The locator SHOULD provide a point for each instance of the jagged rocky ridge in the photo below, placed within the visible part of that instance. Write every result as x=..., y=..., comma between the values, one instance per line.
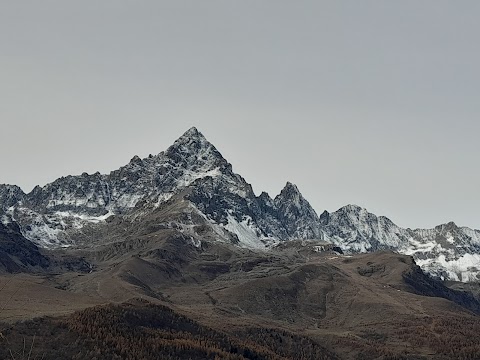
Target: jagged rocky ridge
x=447, y=251
x=194, y=170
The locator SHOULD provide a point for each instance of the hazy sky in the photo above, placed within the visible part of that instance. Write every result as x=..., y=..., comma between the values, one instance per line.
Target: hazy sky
x=375, y=103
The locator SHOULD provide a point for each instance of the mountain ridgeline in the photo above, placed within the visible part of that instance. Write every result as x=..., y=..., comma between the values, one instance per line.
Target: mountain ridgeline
x=194, y=175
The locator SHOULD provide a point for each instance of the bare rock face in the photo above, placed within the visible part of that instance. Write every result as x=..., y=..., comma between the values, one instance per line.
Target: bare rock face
x=17, y=253
x=10, y=195
x=300, y=220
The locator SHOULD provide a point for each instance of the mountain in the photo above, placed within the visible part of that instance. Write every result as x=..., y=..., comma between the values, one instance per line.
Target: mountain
x=194, y=187
x=447, y=251
x=182, y=259
x=301, y=221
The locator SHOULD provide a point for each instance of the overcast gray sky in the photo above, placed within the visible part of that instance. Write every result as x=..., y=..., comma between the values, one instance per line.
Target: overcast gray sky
x=368, y=102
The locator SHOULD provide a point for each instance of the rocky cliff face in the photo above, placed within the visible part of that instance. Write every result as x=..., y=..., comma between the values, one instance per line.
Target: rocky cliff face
x=193, y=170
x=10, y=195
x=354, y=229
x=298, y=217
x=17, y=253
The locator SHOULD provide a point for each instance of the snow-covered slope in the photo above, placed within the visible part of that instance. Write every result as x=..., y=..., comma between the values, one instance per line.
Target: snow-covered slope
x=447, y=251
x=193, y=170
x=354, y=229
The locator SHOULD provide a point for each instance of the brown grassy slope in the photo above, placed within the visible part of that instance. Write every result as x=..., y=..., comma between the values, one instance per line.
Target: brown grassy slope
x=354, y=306
x=25, y=296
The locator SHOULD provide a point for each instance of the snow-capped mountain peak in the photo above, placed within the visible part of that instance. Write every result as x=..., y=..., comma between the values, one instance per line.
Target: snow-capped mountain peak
x=290, y=192
x=192, y=133
x=195, y=153
x=9, y=196
x=296, y=213
x=355, y=229
x=193, y=170
x=291, y=202
x=75, y=201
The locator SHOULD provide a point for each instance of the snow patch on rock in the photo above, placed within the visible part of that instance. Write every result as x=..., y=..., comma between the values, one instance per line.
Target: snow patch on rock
x=246, y=232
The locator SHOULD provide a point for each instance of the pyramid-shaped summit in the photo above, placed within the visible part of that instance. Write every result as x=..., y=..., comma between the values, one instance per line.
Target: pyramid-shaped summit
x=156, y=179
x=192, y=133
x=74, y=201
x=195, y=153
x=296, y=213
x=190, y=137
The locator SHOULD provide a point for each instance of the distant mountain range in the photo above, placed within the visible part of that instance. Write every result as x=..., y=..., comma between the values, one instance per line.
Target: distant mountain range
x=193, y=176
